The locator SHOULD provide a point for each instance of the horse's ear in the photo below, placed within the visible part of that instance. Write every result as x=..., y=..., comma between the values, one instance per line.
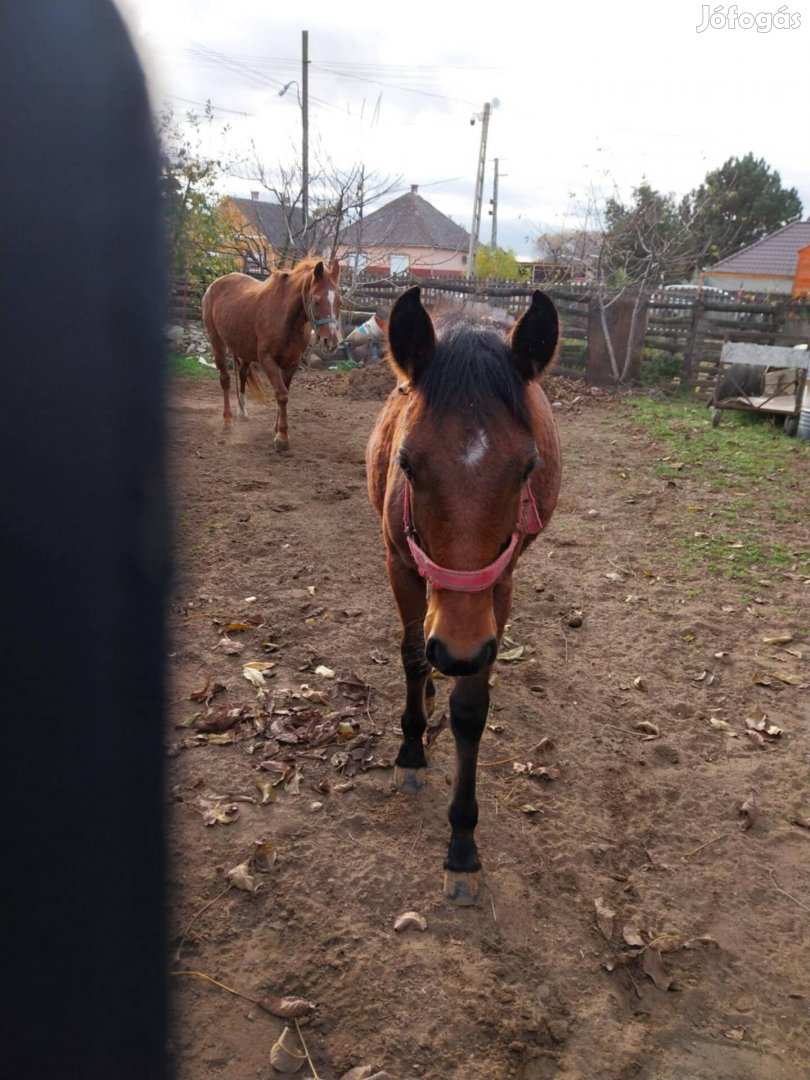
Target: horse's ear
x=334, y=270
x=410, y=335
x=317, y=271
x=534, y=338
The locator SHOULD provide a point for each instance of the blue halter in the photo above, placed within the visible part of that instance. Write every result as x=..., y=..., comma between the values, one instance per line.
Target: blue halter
x=318, y=322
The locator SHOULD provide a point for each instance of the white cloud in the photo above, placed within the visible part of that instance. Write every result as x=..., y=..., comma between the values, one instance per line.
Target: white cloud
x=592, y=94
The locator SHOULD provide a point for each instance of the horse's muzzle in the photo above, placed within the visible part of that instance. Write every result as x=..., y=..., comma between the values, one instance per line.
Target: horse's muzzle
x=440, y=657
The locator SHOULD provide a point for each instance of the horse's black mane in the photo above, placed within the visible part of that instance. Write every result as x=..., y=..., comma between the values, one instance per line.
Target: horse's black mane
x=472, y=371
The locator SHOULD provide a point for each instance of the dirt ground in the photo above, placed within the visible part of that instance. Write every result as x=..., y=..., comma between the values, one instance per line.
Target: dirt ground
x=643, y=706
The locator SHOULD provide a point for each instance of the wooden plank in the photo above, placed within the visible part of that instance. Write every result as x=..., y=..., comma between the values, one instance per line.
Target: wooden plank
x=736, y=352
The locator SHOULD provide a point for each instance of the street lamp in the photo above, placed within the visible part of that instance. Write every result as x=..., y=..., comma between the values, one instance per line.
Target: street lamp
x=479, y=183
x=302, y=92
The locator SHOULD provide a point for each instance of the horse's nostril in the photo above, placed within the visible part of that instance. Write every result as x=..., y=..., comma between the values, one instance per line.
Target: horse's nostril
x=440, y=657
x=436, y=653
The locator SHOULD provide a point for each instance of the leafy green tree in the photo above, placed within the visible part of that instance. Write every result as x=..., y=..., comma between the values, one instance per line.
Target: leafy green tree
x=200, y=239
x=498, y=264
x=647, y=240
x=737, y=204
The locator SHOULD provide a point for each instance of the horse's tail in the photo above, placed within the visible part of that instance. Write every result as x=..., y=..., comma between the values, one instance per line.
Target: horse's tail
x=258, y=385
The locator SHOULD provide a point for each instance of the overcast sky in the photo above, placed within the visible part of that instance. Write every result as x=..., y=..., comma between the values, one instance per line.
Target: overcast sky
x=592, y=97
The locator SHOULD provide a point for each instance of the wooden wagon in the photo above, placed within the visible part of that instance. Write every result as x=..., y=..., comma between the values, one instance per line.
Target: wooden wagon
x=768, y=379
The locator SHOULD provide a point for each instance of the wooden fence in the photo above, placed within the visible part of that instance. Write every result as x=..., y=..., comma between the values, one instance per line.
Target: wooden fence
x=685, y=331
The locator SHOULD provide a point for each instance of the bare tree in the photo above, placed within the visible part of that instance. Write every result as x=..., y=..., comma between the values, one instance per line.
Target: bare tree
x=642, y=244
x=338, y=197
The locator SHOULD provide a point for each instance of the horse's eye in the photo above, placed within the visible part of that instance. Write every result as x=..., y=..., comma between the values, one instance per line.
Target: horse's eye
x=404, y=464
x=530, y=467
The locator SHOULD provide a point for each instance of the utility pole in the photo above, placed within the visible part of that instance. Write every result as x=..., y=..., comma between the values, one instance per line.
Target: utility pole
x=479, y=192
x=494, y=211
x=305, y=125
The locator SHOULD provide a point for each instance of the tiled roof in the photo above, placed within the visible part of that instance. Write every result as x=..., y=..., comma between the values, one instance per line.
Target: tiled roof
x=272, y=221
x=774, y=254
x=409, y=221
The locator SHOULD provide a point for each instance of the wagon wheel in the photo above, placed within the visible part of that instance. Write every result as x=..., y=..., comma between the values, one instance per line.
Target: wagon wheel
x=791, y=425
x=717, y=416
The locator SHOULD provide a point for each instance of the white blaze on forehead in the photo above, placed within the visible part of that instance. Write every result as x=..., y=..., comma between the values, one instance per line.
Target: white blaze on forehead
x=330, y=296
x=475, y=449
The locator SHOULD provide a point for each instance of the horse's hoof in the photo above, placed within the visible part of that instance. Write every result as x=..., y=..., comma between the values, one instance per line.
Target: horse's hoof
x=462, y=889
x=282, y=445
x=409, y=781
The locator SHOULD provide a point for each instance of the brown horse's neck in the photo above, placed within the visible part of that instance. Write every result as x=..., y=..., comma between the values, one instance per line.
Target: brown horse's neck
x=296, y=286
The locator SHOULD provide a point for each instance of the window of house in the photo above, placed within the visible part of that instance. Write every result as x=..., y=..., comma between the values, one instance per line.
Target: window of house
x=356, y=261
x=399, y=264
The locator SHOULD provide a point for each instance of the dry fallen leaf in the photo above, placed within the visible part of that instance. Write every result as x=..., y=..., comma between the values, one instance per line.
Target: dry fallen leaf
x=802, y=681
x=293, y=785
x=604, y=918
x=640, y=684
x=324, y=672
x=632, y=936
x=778, y=639
x=668, y=941
x=621, y=959
x=255, y=677
x=222, y=719
x=748, y=812
x=653, y=965
x=760, y=680
x=228, y=647
x=801, y=819
x=241, y=877
x=207, y=692
x=410, y=920
x=512, y=654
x=735, y=1034
x=267, y=792
x=288, y=1008
x=539, y=772
x=218, y=813
x=264, y=855
x=722, y=725
x=285, y=1054
x=647, y=726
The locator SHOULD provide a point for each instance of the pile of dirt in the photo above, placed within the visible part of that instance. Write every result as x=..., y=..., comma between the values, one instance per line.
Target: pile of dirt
x=572, y=392
x=372, y=383
x=375, y=383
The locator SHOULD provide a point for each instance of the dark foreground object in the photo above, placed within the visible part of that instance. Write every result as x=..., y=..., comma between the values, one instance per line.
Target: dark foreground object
x=84, y=551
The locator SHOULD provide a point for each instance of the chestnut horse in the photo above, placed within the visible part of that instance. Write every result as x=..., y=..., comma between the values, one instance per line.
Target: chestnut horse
x=464, y=469
x=268, y=323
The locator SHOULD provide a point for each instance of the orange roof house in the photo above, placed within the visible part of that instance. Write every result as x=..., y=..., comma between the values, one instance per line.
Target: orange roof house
x=778, y=263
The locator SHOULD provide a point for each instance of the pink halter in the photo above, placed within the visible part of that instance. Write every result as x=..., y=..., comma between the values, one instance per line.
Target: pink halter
x=471, y=581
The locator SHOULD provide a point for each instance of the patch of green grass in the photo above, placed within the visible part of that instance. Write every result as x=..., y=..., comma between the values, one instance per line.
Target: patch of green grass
x=752, y=474
x=346, y=365
x=190, y=367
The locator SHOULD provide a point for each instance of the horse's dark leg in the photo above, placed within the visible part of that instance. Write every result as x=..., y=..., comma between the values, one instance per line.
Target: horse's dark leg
x=409, y=593
x=469, y=702
x=242, y=368
x=281, y=439
x=221, y=358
